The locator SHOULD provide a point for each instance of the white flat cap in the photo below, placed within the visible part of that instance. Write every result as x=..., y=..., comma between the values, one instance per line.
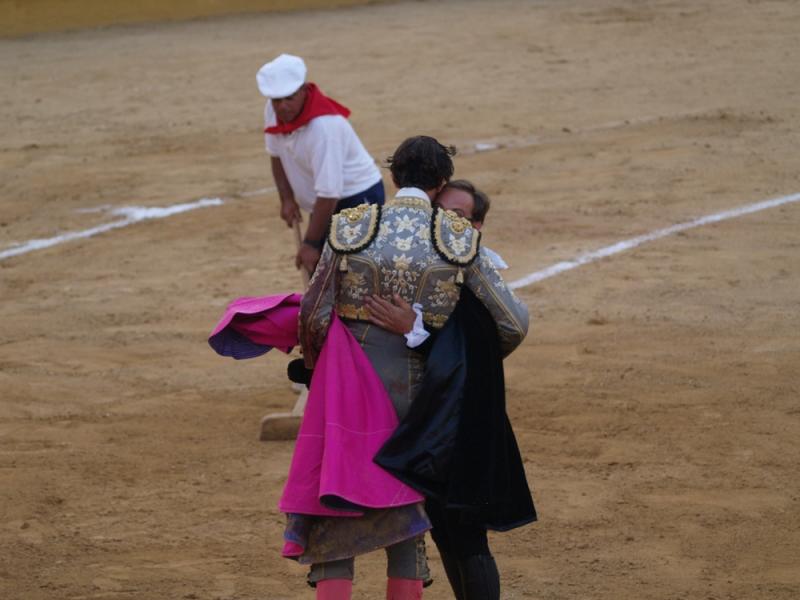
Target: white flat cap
x=281, y=77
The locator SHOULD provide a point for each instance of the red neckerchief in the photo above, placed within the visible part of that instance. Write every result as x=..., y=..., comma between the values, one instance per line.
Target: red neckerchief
x=317, y=104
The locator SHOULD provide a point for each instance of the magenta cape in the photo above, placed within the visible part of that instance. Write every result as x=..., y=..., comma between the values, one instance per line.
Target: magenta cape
x=252, y=326
x=348, y=416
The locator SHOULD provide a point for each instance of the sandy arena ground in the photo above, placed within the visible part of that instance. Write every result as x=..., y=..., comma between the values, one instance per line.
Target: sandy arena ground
x=655, y=400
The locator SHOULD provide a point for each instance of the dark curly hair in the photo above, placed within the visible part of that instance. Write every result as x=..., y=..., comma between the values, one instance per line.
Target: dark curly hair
x=422, y=162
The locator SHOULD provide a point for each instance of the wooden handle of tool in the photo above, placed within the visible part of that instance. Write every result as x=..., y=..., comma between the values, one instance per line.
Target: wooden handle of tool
x=298, y=238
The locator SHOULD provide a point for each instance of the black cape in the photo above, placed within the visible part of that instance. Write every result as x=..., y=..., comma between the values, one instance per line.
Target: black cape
x=456, y=444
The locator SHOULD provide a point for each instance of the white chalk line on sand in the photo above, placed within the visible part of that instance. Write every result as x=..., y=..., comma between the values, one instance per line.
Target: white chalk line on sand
x=135, y=214
x=130, y=214
x=590, y=257
x=491, y=145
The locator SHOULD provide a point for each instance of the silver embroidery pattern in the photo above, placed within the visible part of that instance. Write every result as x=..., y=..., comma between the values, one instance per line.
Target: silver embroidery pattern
x=351, y=232
x=406, y=223
x=399, y=278
x=385, y=230
x=401, y=260
x=458, y=245
x=444, y=294
x=403, y=244
x=354, y=285
x=455, y=238
x=400, y=249
x=508, y=312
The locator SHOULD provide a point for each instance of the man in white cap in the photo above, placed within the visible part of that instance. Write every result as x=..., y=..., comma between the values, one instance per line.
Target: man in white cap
x=318, y=162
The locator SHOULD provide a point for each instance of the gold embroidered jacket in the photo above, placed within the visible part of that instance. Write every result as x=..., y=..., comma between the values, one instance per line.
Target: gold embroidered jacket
x=408, y=248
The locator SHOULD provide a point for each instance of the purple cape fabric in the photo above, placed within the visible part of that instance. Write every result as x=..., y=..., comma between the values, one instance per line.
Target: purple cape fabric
x=252, y=326
x=348, y=417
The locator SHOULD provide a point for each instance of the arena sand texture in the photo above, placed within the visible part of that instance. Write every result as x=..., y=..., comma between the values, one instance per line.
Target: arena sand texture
x=655, y=399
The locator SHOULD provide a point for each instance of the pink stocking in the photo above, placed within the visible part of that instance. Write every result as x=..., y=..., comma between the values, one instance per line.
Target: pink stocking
x=334, y=589
x=403, y=589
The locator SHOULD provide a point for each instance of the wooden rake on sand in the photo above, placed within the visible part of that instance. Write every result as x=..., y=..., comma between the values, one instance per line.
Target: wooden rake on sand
x=284, y=426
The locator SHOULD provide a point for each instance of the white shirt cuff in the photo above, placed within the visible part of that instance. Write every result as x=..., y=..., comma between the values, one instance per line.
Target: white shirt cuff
x=417, y=335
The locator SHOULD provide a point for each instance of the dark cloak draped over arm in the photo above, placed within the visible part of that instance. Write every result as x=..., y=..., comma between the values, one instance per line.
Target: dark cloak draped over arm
x=456, y=443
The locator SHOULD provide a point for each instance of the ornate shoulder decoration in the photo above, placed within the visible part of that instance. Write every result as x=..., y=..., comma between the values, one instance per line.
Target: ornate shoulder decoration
x=353, y=229
x=454, y=237
x=409, y=202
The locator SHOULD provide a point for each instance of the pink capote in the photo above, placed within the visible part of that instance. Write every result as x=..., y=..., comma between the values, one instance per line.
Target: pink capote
x=251, y=326
x=348, y=417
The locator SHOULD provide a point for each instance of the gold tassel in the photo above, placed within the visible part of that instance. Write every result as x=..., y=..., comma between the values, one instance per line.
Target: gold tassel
x=460, y=276
x=343, y=263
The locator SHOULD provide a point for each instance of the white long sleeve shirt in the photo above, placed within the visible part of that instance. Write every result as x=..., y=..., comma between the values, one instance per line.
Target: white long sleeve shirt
x=324, y=158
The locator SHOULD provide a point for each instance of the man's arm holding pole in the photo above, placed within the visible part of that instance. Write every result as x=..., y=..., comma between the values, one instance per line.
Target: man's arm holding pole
x=314, y=240
x=290, y=212
x=310, y=246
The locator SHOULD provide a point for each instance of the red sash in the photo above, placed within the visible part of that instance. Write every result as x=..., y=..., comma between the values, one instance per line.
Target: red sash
x=317, y=104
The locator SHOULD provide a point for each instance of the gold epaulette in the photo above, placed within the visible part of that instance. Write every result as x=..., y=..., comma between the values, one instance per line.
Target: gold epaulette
x=353, y=229
x=455, y=239
x=409, y=202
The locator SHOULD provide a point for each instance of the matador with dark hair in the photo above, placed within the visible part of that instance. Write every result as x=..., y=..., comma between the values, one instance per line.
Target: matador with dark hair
x=424, y=255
